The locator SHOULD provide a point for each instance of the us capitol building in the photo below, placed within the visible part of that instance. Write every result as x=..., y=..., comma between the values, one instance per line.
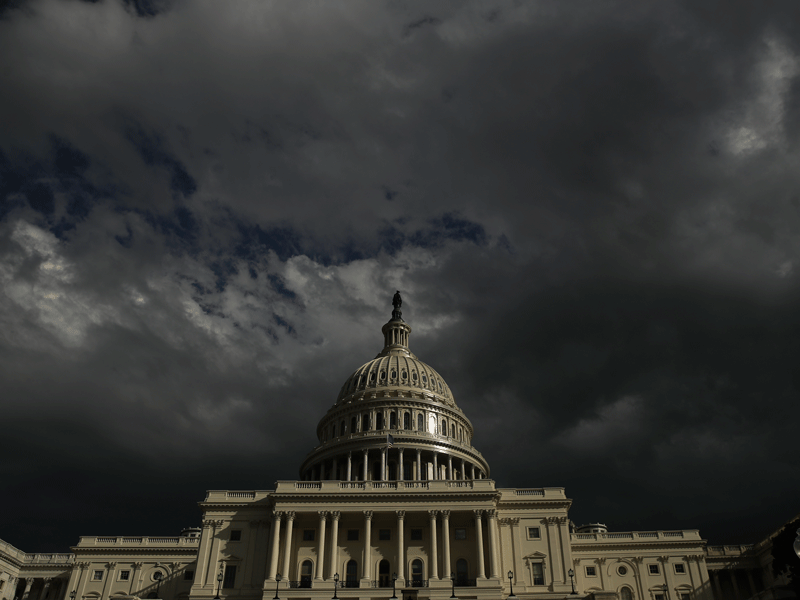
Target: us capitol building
x=393, y=502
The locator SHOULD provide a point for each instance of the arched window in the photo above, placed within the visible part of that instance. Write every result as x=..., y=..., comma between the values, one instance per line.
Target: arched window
x=393, y=420
x=406, y=421
x=365, y=422
x=305, y=574
x=420, y=422
x=416, y=573
x=341, y=428
x=408, y=470
x=443, y=430
x=351, y=577
x=392, y=475
x=333, y=431
x=384, y=578
x=378, y=421
x=353, y=424
x=452, y=431
x=462, y=574
x=626, y=594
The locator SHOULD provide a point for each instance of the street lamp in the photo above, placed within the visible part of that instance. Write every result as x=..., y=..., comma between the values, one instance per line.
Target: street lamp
x=511, y=596
x=453, y=579
x=394, y=580
x=219, y=584
x=277, y=583
x=158, y=575
x=335, y=585
x=571, y=574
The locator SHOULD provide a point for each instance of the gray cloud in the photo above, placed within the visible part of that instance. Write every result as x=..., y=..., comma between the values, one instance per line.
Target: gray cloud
x=591, y=209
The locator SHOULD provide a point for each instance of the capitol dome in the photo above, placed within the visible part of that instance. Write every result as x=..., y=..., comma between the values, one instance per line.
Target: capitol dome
x=395, y=419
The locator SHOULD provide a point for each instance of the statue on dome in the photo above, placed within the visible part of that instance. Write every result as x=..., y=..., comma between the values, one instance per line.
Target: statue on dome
x=397, y=301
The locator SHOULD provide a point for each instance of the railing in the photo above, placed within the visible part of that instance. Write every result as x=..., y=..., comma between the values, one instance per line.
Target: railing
x=250, y=495
x=346, y=485
x=397, y=433
x=415, y=583
x=461, y=582
x=353, y=583
x=139, y=541
x=336, y=486
x=308, y=485
x=636, y=535
x=49, y=558
x=303, y=583
x=529, y=492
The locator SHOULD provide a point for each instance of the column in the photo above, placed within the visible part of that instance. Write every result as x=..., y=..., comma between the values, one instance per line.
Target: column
x=366, y=465
x=492, y=524
x=46, y=584
x=717, y=587
x=401, y=550
x=435, y=466
x=434, y=568
x=419, y=465
x=472, y=471
x=110, y=569
x=479, y=540
x=322, y=471
x=516, y=544
x=668, y=585
x=566, y=541
x=447, y=568
x=335, y=469
x=349, y=466
x=273, y=559
x=251, y=545
x=206, y=537
x=383, y=464
x=321, y=545
x=334, y=542
x=400, y=470
x=28, y=583
x=367, y=544
x=450, y=467
x=287, y=547
x=463, y=470
x=136, y=575
x=556, y=566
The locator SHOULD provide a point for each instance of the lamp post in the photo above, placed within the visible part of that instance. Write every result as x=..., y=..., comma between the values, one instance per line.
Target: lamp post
x=219, y=584
x=571, y=574
x=511, y=596
x=277, y=583
x=158, y=575
x=453, y=579
x=335, y=586
x=394, y=580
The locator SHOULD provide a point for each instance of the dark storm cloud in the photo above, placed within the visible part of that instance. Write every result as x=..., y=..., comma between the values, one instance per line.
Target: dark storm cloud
x=591, y=209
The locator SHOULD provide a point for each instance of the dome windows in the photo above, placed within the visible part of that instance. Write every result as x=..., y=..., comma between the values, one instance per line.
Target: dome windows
x=383, y=375
x=414, y=376
x=425, y=379
x=403, y=375
x=372, y=377
x=393, y=374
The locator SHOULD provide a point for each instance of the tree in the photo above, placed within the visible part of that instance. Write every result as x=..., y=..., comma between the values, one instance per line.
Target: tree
x=784, y=560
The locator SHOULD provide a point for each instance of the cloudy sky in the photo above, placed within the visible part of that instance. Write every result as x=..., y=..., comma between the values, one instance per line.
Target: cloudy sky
x=592, y=210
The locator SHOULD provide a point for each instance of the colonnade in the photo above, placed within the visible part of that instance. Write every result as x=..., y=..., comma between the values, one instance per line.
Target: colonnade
x=394, y=466
x=52, y=588
x=328, y=550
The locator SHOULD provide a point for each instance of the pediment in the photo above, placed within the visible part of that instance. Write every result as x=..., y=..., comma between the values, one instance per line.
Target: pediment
x=535, y=556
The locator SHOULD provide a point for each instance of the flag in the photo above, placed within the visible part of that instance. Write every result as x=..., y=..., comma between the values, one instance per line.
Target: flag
x=389, y=441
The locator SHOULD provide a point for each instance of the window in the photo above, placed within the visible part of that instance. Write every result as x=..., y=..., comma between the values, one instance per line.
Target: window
x=416, y=534
x=460, y=533
x=236, y=535
x=341, y=428
x=384, y=534
x=680, y=568
x=534, y=533
x=658, y=597
x=352, y=535
x=305, y=574
x=230, y=576
x=2, y=583
x=626, y=594
x=622, y=570
x=365, y=422
x=406, y=421
x=591, y=571
x=353, y=424
x=124, y=575
x=393, y=420
x=461, y=573
x=188, y=575
x=683, y=596
x=158, y=576
x=653, y=569
x=452, y=431
x=379, y=421
x=420, y=422
x=97, y=576
x=351, y=574
x=384, y=579
x=333, y=431
x=537, y=570
x=308, y=535
x=416, y=572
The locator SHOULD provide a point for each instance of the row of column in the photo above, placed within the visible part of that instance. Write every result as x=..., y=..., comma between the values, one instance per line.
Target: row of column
x=348, y=471
x=58, y=590
x=433, y=568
